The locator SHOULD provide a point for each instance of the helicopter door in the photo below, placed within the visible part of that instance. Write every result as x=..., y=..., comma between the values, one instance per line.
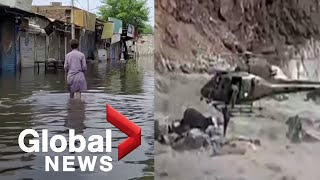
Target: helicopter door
x=237, y=81
x=246, y=89
x=223, y=92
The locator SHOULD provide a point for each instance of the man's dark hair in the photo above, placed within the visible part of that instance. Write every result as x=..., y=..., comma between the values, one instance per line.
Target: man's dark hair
x=74, y=43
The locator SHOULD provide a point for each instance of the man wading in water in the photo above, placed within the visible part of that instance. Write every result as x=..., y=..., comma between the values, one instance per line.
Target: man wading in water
x=75, y=65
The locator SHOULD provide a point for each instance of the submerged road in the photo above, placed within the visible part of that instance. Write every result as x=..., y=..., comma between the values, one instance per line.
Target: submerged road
x=40, y=101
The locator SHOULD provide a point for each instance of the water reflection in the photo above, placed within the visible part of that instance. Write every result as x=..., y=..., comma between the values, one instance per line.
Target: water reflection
x=40, y=101
x=76, y=115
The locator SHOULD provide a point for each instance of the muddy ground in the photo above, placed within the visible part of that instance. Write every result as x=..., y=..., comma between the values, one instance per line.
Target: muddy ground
x=277, y=158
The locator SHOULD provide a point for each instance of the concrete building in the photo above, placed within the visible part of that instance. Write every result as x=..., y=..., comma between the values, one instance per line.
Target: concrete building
x=85, y=29
x=33, y=45
x=30, y=35
x=145, y=45
x=14, y=25
x=55, y=11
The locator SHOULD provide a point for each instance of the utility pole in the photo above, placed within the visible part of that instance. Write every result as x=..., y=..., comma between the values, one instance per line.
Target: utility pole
x=72, y=20
x=88, y=5
x=65, y=41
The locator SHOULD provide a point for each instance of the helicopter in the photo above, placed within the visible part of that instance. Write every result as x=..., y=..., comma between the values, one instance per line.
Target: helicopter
x=237, y=87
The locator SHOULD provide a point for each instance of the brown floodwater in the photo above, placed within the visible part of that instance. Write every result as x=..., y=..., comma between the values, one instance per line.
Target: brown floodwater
x=29, y=100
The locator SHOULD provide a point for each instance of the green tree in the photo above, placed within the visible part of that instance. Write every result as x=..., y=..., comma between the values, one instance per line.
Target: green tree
x=135, y=12
x=147, y=30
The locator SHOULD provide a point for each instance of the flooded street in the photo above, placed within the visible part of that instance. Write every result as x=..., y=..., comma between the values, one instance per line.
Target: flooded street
x=40, y=101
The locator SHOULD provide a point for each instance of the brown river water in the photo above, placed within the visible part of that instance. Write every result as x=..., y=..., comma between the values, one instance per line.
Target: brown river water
x=40, y=101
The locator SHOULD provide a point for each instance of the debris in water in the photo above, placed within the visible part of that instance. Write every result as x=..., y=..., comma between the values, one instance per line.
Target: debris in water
x=302, y=129
x=313, y=95
x=196, y=131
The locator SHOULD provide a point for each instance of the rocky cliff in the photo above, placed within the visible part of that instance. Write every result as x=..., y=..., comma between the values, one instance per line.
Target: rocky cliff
x=200, y=33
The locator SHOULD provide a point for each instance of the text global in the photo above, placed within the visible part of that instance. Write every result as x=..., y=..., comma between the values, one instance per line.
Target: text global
x=94, y=144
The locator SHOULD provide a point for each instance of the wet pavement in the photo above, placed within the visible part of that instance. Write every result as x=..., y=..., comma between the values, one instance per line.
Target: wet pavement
x=40, y=101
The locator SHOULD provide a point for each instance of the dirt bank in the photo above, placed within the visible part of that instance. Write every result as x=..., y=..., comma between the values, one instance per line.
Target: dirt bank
x=197, y=30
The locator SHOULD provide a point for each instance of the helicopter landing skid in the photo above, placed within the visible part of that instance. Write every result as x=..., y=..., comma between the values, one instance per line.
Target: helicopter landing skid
x=239, y=108
x=227, y=112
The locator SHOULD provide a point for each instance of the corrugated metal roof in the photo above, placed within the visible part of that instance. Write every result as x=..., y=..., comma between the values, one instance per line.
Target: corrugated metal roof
x=36, y=29
x=22, y=12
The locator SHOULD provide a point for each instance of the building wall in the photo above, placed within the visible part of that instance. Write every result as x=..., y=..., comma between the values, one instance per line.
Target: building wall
x=40, y=48
x=32, y=48
x=56, y=45
x=56, y=48
x=53, y=49
x=8, y=33
x=145, y=45
x=18, y=49
x=114, y=51
x=88, y=44
x=62, y=51
x=27, y=49
x=56, y=12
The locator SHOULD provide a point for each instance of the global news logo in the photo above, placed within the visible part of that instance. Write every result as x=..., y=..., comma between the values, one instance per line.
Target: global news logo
x=94, y=144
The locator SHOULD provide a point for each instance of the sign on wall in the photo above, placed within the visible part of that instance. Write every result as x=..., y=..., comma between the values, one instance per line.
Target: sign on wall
x=85, y=19
x=117, y=28
x=130, y=31
x=107, y=30
x=115, y=38
x=27, y=50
